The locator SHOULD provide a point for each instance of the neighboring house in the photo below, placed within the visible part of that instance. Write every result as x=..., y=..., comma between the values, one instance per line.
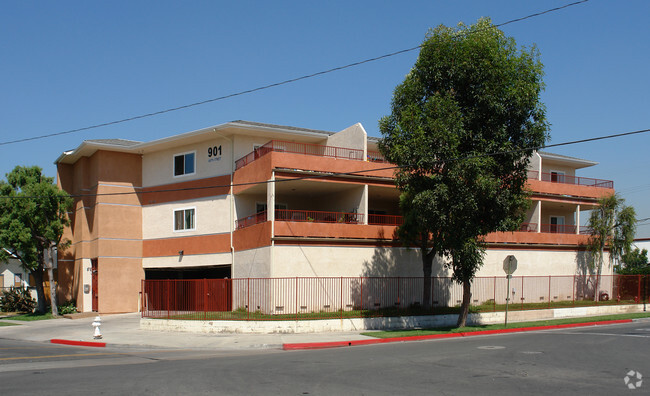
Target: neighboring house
x=642, y=243
x=303, y=203
x=12, y=274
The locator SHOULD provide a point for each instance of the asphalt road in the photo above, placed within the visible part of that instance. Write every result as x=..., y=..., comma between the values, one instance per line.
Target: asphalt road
x=591, y=361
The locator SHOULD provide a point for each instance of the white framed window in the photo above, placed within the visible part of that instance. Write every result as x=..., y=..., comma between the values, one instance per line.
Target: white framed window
x=557, y=176
x=185, y=164
x=557, y=224
x=184, y=219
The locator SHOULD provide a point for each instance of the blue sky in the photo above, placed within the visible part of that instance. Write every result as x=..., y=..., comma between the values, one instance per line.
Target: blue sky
x=71, y=64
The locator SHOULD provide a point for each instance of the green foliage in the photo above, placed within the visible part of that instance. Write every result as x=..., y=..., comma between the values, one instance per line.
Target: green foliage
x=613, y=225
x=69, y=307
x=470, y=95
x=33, y=215
x=477, y=328
x=17, y=299
x=31, y=317
x=634, y=262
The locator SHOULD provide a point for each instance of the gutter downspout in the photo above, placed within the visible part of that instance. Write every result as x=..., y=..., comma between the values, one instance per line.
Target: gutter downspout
x=232, y=199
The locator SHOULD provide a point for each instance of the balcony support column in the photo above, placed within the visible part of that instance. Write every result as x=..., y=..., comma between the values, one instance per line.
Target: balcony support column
x=538, y=215
x=363, y=209
x=578, y=219
x=270, y=199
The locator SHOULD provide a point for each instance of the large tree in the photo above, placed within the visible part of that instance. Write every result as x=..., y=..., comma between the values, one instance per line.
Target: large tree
x=33, y=215
x=462, y=128
x=613, y=225
x=634, y=262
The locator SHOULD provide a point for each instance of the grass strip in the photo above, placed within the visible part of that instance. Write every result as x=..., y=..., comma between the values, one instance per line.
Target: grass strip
x=32, y=316
x=479, y=328
x=8, y=324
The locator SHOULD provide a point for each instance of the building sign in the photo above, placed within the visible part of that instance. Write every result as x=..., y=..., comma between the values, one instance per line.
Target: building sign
x=214, y=153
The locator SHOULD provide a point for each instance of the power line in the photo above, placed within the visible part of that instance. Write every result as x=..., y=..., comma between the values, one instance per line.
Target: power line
x=268, y=86
x=342, y=174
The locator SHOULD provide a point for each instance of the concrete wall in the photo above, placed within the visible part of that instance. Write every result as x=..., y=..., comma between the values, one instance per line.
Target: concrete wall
x=535, y=163
x=253, y=263
x=548, y=167
x=106, y=227
x=351, y=137
x=324, y=261
x=187, y=260
x=158, y=167
x=212, y=216
x=387, y=323
x=311, y=261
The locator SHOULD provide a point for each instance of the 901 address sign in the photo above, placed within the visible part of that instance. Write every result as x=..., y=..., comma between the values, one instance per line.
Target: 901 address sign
x=214, y=151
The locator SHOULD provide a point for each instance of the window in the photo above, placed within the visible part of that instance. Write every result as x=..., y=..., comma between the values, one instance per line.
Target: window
x=18, y=280
x=184, y=164
x=184, y=219
x=557, y=176
x=261, y=207
x=557, y=224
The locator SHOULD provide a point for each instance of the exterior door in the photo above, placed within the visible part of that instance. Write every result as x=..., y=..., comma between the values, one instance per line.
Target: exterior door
x=557, y=177
x=557, y=224
x=95, y=292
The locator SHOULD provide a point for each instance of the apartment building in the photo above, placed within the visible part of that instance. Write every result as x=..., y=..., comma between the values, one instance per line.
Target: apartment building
x=252, y=200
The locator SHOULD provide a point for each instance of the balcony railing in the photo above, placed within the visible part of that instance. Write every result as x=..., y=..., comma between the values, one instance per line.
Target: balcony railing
x=313, y=216
x=300, y=148
x=251, y=220
x=585, y=230
x=558, y=228
x=568, y=179
x=376, y=156
x=350, y=297
x=388, y=220
x=528, y=227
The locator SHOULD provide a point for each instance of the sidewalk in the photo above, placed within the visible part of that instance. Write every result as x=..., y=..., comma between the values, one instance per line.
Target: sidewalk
x=123, y=330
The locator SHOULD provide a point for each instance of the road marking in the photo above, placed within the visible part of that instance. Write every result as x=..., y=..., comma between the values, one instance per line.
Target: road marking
x=35, y=347
x=606, y=334
x=133, y=354
x=59, y=356
x=490, y=347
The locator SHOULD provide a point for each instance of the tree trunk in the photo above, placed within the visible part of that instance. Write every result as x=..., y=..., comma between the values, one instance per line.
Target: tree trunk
x=427, y=263
x=601, y=254
x=49, y=265
x=467, y=298
x=40, y=292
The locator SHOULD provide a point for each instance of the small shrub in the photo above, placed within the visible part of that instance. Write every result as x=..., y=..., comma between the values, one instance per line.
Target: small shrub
x=17, y=299
x=69, y=307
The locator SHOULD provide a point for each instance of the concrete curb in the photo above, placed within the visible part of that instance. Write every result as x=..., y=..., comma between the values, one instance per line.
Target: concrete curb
x=78, y=343
x=338, y=344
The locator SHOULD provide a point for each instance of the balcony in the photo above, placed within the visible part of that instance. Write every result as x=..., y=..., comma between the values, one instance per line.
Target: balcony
x=385, y=220
x=309, y=149
x=309, y=216
x=250, y=220
x=313, y=216
x=300, y=148
x=555, y=229
x=567, y=179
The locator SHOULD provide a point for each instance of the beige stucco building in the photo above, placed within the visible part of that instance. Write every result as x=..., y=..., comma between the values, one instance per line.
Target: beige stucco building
x=251, y=200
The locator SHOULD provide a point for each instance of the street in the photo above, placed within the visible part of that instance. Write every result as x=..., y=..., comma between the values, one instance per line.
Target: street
x=592, y=360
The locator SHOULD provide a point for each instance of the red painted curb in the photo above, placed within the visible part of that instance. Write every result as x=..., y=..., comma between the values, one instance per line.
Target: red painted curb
x=338, y=344
x=78, y=343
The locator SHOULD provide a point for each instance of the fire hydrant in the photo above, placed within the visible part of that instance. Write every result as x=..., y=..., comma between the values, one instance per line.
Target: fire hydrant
x=96, y=324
